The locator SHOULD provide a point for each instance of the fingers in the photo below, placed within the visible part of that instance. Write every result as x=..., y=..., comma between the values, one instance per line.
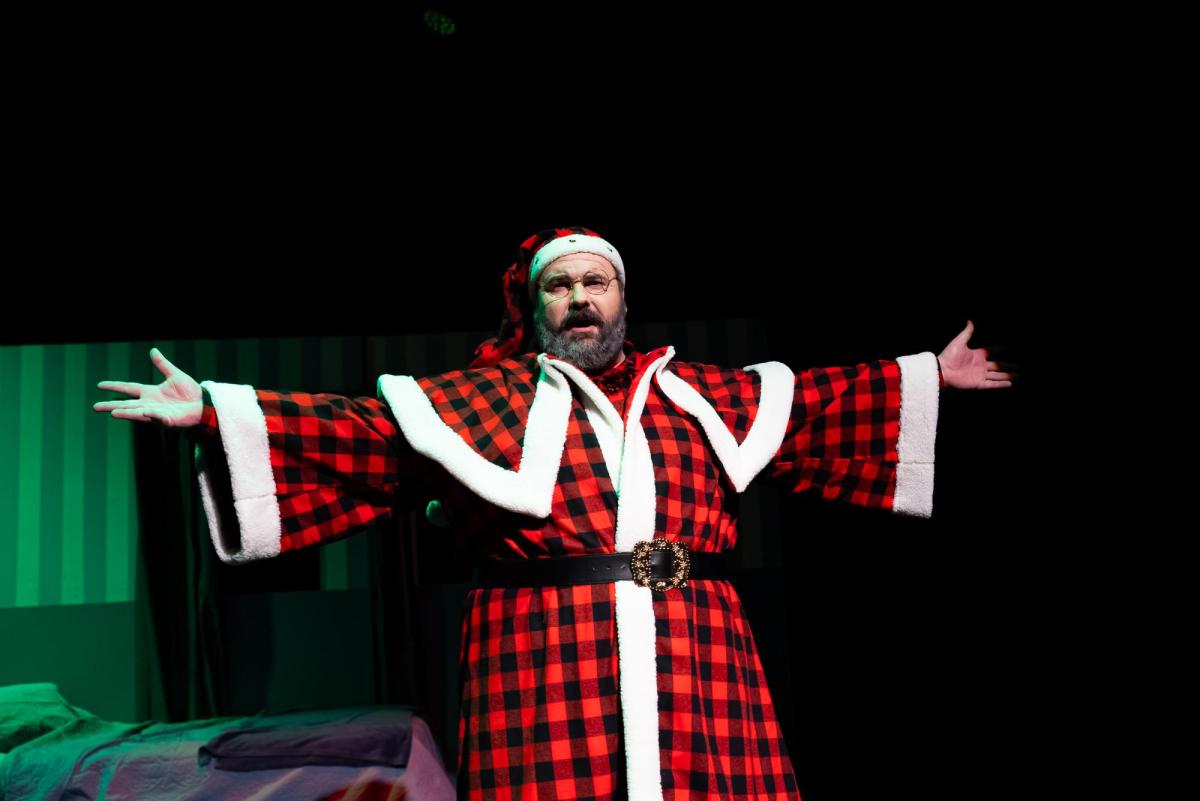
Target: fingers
x=162, y=363
x=109, y=405
x=128, y=387
x=127, y=410
x=996, y=355
x=964, y=336
x=133, y=413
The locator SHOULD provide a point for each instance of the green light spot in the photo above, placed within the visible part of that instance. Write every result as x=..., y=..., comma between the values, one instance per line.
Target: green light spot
x=439, y=23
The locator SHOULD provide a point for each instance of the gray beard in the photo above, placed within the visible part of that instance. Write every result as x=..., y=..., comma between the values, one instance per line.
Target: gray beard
x=589, y=354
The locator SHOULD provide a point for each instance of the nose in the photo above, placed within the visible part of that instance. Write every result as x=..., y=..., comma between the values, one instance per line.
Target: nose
x=579, y=295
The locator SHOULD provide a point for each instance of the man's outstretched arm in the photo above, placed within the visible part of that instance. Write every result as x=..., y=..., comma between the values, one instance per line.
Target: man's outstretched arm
x=280, y=470
x=866, y=434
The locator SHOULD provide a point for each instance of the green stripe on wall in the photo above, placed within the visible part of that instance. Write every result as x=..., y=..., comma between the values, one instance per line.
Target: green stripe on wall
x=76, y=410
x=95, y=450
x=289, y=372
x=268, y=378
x=50, y=494
x=118, y=466
x=29, y=479
x=203, y=361
x=330, y=356
x=247, y=362
x=143, y=371
x=10, y=424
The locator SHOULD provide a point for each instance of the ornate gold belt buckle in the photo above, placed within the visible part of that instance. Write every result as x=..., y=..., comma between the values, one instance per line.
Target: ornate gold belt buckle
x=640, y=564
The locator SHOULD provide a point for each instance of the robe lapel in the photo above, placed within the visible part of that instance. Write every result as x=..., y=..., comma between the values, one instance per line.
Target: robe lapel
x=529, y=490
x=741, y=462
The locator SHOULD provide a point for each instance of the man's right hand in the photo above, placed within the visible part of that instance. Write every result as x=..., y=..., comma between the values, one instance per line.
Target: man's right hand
x=177, y=402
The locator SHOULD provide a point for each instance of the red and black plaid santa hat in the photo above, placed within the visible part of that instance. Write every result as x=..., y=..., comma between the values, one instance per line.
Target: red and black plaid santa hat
x=520, y=279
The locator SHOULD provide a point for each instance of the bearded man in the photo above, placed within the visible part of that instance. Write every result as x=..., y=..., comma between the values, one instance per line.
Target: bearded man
x=604, y=652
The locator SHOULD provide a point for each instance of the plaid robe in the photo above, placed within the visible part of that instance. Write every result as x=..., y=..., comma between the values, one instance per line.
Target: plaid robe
x=597, y=691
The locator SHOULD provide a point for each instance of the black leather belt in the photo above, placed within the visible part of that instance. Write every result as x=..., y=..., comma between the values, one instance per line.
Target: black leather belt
x=658, y=564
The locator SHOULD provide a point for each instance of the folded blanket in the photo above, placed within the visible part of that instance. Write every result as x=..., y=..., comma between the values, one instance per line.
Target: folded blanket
x=371, y=737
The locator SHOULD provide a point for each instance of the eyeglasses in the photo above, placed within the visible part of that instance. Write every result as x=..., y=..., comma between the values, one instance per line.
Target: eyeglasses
x=560, y=286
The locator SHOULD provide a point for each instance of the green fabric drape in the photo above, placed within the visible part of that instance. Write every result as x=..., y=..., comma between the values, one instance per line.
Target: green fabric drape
x=182, y=671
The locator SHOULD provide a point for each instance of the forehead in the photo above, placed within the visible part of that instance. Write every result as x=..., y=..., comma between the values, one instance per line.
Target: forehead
x=578, y=263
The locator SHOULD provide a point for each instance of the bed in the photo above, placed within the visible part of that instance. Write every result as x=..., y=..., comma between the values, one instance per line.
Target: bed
x=50, y=749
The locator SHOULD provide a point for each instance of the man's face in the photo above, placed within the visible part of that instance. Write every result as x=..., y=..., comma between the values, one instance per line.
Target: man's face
x=584, y=329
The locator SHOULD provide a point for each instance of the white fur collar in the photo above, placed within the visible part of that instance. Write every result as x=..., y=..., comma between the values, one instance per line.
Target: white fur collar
x=530, y=489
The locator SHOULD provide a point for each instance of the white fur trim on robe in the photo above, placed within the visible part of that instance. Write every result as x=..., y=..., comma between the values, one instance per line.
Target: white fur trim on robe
x=528, y=490
x=741, y=462
x=627, y=456
x=918, y=430
x=243, y=431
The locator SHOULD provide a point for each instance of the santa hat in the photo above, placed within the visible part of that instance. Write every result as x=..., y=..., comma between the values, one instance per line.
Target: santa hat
x=520, y=279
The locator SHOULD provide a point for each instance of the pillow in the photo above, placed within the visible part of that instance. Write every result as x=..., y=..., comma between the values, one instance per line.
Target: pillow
x=27, y=711
x=383, y=740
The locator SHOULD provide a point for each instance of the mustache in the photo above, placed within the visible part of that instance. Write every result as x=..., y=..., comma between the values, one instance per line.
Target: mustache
x=581, y=320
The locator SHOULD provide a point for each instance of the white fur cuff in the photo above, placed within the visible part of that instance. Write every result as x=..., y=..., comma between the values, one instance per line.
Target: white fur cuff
x=243, y=430
x=918, y=430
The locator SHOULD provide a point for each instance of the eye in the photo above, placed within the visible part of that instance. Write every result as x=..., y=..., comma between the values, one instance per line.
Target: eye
x=593, y=280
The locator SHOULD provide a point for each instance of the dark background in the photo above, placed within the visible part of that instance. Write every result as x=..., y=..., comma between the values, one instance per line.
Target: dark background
x=865, y=184
x=303, y=173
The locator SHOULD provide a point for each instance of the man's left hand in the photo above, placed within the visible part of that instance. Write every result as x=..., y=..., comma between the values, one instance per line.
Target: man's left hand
x=970, y=368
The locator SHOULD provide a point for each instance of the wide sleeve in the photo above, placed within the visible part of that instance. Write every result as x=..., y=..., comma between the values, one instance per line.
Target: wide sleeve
x=280, y=471
x=864, y=434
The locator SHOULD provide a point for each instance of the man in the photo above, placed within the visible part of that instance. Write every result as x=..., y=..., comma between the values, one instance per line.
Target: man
x=604, y=652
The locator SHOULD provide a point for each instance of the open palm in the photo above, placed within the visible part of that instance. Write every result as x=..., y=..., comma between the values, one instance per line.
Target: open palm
x=177, y=402
x=971, y=368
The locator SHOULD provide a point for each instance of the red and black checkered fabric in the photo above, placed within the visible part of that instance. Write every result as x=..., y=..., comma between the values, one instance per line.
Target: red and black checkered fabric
x=540, y=707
